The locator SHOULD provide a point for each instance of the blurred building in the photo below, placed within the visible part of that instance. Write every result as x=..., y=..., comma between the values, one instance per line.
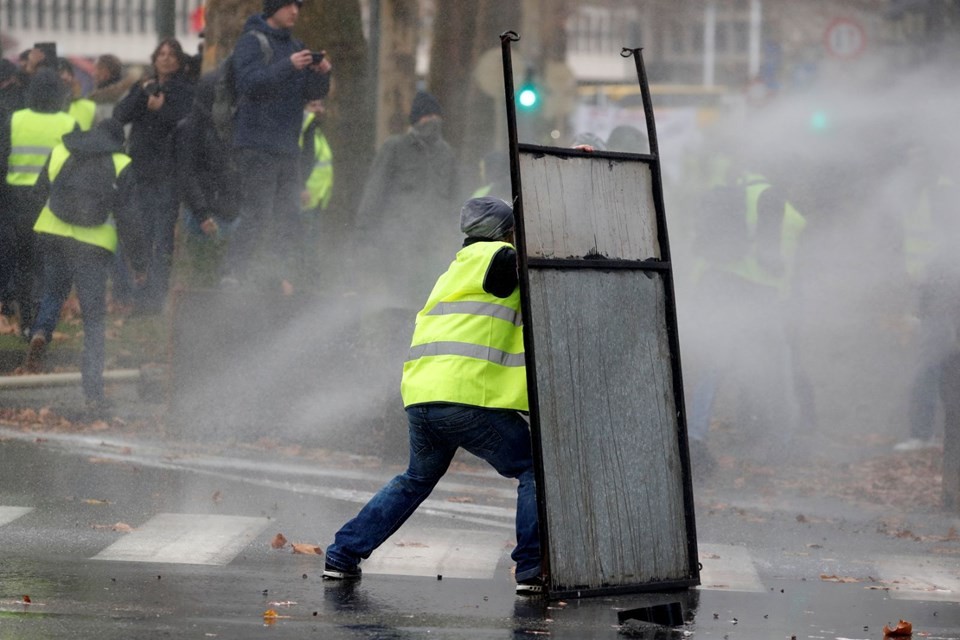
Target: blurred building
x=127, y=28
x=728, y=43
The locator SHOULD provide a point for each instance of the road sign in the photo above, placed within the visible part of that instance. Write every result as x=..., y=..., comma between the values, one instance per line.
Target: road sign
x=844, y=38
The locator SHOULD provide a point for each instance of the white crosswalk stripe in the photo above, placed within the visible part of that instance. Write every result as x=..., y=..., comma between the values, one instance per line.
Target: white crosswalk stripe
x=200, y=539
x=444, y=552
x=186, y=539
x=9, y=514
x=919, y=578
x=727, y=568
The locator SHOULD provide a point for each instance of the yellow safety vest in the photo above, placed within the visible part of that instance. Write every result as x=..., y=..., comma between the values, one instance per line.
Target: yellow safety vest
x=919, y=233
x=320, y=182
x=792, y=225
x=467, y=345
x=32, y=136
x=83, y=111
x=104, y=235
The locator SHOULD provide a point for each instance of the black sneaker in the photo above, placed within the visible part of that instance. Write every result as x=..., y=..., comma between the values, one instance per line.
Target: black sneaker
x=331, y=572
x=530, y=586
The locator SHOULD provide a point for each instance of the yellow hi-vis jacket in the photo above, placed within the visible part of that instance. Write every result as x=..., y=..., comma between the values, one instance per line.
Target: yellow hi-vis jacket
x=920, y=235
x=104, y=235
x=32, y=136
x=83, y=111
x=320, y=181
x=467, y=345
x=792, y=225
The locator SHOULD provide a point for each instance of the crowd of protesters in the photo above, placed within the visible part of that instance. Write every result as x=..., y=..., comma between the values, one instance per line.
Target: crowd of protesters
x=160, y=123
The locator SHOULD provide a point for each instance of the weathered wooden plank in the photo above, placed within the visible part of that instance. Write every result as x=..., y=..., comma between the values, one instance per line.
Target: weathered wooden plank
x=576, y=207
x=608, y=428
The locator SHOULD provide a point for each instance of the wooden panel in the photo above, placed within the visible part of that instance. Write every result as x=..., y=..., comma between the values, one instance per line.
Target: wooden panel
x=576, y=207
x=608, y=428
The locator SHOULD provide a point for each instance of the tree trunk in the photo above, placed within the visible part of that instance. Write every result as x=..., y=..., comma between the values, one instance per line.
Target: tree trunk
x=397, y=65
x=462, y=33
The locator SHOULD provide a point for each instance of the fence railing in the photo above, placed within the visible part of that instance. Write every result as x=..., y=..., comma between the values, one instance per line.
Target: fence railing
x=93, y=16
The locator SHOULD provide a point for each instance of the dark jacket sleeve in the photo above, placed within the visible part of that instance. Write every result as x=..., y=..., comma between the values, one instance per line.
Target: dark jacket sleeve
x=41, y=188
x=5, y=135
x=132, y=106
x=374, y=190
x=128, y=227
x=502, y=277
x=188, y=142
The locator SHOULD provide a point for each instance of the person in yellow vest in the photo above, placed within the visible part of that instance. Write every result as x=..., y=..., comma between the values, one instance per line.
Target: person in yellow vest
x=79, y=246
x=26, y=139
x=82, y=109
x=746, y=244
x=316, y=166
x=929, y=228
x=463, y=385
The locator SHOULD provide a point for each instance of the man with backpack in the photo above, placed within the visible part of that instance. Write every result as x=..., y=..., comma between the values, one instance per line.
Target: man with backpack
x=87, y=186
x=272, y=85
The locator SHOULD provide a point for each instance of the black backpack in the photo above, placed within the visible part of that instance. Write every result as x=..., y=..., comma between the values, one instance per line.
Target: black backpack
x=225, y=90
x=83, y=192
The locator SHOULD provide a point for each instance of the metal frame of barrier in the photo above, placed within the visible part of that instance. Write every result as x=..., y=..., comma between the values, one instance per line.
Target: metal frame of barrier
x=603, y=365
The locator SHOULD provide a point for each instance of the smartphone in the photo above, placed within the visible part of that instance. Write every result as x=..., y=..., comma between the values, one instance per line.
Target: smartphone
x=317, y=57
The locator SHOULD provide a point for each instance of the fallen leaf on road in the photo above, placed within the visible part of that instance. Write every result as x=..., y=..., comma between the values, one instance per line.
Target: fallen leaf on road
x=903, y=628
x=96, y=501
x=27, y=600
x=278, y=542
x=307, y=549
x=832, y=578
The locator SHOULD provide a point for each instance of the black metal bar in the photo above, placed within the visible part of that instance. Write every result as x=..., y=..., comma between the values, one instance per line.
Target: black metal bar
x=570, y=152
x=645, y=97
x=589, y=592
x=506, y=38
x=598, y=262
x=671, y=311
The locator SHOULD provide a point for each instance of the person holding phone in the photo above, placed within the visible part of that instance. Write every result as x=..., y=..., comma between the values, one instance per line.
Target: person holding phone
x=153, y=107
x=271, y=93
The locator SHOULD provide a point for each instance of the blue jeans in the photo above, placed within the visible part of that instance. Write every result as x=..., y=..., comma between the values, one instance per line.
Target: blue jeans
x=500, y=437
x=68, y=262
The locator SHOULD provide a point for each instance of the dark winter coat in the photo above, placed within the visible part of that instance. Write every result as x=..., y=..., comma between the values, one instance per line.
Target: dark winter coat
x=414, y=180
x=207, y=176
x=151, y=143
x=271, y=96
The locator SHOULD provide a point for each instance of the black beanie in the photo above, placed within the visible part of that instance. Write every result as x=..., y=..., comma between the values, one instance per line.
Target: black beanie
x=270, y=7
x=424, y=104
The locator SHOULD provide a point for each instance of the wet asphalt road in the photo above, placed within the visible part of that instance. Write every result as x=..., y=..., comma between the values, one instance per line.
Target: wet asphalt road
x=77, y=487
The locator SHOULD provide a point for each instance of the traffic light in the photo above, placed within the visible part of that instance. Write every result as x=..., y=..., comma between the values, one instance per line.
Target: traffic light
x=819, y=121
x=528, y=98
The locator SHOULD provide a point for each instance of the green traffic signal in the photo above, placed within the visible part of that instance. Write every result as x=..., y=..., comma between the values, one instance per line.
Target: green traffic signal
x=528, y=97
x=819, y=121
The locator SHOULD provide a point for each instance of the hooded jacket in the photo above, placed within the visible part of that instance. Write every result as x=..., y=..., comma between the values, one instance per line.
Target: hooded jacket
x=271, y=96
x=105, y=138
